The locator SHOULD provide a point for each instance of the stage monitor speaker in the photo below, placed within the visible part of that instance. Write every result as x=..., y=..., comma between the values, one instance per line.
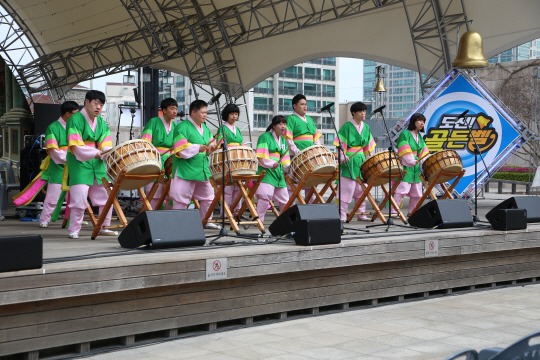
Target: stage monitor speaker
x=444, y=214
x=317, y=232
x=161, y=229
x=530, y=203
x=507, y=219
x=283, y=224
x=21, y=252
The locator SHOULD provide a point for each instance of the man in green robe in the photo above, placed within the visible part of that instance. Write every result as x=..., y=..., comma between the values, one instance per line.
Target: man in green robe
x=193, y=143
x=88, y=138
x=160, y=131
x=301, y=131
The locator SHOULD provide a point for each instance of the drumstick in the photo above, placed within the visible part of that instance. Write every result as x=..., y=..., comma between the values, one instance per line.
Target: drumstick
x=281, y=158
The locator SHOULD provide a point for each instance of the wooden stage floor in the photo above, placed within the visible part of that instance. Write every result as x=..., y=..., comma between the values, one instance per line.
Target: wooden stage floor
x=92, y=294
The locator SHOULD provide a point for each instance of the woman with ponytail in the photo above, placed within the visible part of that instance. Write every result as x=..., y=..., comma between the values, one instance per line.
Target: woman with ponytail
x=272, y=153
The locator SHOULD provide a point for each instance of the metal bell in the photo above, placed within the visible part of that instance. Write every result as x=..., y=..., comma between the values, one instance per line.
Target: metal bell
x=380, y=86
x=470, y=52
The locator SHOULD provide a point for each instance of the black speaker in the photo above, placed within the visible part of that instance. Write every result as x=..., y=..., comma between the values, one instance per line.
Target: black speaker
x=45, y=115
x=444, y=214
x=21, y=252
x=161, y=229
x=507, y=219
x=283, y=224
x=317, y=232
x=530, y=203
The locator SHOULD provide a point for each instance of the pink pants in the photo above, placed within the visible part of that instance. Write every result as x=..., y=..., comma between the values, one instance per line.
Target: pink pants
x=78, y=203
x=350, y=189
x=265, y=193
x=182, y=191
x=157, y=195
x=231, y=192
x=413, y=191
x=51, y=199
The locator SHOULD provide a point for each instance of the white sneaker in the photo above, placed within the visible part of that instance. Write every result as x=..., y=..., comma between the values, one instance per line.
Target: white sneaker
x=362, y=218
x=74, y=235
x=212, y=226
x=44, y=224
x=85, y=222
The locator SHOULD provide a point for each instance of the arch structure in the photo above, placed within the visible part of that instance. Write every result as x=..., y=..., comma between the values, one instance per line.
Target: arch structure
x=231, y=45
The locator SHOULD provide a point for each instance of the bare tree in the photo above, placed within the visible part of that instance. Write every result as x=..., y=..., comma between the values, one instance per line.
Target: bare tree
x=519, y=93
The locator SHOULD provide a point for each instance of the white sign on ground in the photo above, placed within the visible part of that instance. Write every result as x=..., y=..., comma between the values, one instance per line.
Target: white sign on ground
x=216, y=269
x=431, y=248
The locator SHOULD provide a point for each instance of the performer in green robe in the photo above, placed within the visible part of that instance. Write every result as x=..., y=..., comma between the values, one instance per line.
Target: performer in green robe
x=234, y=138
x=52, y=167
x=301, y=131
x=412, y=150
x=88, y=138
x=271, y=147
x=355, y=137
x=193, y=143
x=160, y=131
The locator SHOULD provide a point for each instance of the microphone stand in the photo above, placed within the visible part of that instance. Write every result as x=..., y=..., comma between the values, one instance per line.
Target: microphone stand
x=476, y=153
x=223, y=230
x=389, y=221
x=132, y=120
x=339, y=151
x=118, y=130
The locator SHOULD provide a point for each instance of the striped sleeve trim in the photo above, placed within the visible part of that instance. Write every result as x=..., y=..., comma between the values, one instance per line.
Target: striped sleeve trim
x=425, y=151
x=404, y=149
x=181, y=145
x=147, y=137
x=51, y=143
x=316, y=136
x=286, y=160
x=107, y=141
x=263, y=153
x=370, y=147
x=288, y=134
x=75, y=140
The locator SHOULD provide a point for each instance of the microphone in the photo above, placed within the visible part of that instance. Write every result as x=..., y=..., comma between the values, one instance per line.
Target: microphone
x=378, y=110
x=215, y=98
x=181, y=114
x=462, y=115
x=326, y=108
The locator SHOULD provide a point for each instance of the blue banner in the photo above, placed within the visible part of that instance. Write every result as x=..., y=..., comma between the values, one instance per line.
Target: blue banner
x=493, y=132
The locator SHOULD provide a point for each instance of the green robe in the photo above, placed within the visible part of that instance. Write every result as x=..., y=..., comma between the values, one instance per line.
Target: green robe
x=55, y=139
x=304, y=134
x=196, y=167
x=79, y=134
x=407, y=145
x=155, y=133
x=353, y=142
x=268, y=148
x=233, y=140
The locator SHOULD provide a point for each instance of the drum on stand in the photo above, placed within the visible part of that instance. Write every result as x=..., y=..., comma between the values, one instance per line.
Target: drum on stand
x=379, y=163
x=243, y=162
x=317, y=158
x=447, y=160
x=138, y=157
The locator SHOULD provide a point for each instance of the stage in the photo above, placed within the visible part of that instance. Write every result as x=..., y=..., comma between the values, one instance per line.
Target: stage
x=94, y=294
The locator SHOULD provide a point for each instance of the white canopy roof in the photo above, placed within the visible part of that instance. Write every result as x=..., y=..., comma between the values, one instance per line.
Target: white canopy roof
x=76, y=40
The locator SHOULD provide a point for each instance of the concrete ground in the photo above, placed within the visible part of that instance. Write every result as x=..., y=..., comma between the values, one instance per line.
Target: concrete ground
x=430, y=329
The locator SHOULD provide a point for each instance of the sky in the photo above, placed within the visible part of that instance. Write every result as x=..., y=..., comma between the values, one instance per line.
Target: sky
x=351, y=84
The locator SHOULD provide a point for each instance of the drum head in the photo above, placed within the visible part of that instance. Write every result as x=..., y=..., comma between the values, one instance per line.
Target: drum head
x=150, y=168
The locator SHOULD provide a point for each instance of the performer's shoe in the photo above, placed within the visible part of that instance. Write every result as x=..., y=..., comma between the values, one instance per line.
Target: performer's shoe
x=362, y=218
x=74, y=235
x=85, y=222
x=212, y=226
x=107, y=232
x=44, y=224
